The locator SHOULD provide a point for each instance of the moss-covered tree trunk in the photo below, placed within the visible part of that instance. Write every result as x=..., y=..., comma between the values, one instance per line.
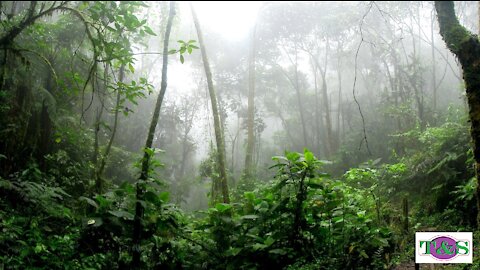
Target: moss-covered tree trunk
x=137, y=225
x=466, y=47
x=219, y=137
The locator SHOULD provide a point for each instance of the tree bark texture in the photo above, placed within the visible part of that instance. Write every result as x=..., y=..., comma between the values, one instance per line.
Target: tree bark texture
x=137, y=226
x=466, y=47
x=219, y=136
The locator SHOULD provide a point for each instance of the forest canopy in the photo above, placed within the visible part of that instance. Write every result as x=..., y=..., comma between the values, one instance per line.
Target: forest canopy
x=236, y=135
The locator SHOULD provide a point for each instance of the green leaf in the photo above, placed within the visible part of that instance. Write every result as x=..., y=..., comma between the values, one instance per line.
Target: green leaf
x=149, y=151
x=226, y=219
x=148, y=30
x=363, y=254
x=249, y=195
x=89, y=201
x=164, y=196
x=314, y=184
x=278, y=251
x=233, y=251
x=222, y=207
x=361, y=213
x=182, y=60
x=131, y=68
x=439, y=186
x=142, y=203
x=39, y=248
x=269, y=241
x=24, y=252
x=337, y=219
x=249, y=217
x=150, y=196
x=279, y=158
x=258, y=246
x=309, y=157
x=103, y=202
x=122, y=214
x=292, y=156
x=172, y=51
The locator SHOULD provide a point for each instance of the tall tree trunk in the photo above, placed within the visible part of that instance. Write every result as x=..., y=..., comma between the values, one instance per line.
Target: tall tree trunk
x=249, y=169
x=466, y=47
x=320, y=125
x=316, y=137
x=235, y=140
x=98, y=118
x=219, y=136
x=299, y=100
x=328, y=120
x=103, y=162
x=296, y=87
x=188, y=121
x=137, y=225
x=326, y=104
x=339, y=107
x=95, y=153
x=44, y=139
x=434, y=79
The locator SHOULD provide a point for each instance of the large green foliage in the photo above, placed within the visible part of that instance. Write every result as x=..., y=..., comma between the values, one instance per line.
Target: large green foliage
x=60, y=72
x=302, y=217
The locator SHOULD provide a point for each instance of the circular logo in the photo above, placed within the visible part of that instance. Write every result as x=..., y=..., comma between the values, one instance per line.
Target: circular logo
x=443, y=248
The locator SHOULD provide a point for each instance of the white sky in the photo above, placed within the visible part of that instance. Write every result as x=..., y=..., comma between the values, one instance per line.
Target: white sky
x=231, y=19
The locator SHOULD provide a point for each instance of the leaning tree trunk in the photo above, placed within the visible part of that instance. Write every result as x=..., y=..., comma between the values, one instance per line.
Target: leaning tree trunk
x=137, y=225
x=219, y=137
x=249, y=168
x=466, y=47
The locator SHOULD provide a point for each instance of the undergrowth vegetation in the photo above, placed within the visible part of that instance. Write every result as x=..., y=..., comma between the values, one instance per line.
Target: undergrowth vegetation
x=259, y=157
x=302, y=219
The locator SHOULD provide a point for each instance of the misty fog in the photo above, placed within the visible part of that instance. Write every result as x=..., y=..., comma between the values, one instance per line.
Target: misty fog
x=265, y=134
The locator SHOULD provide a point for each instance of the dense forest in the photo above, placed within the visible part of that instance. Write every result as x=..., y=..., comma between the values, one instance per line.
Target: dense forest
x=236, y=135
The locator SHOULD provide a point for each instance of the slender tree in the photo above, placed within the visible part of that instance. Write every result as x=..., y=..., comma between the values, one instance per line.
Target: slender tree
x=326, y=104
x=137, y=229
x=220, y=183
x=249, y=169
x=466, y=46
x=434, y=79
x=103, y=161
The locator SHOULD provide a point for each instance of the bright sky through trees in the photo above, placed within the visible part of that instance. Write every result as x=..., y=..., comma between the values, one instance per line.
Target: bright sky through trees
x=231, y=19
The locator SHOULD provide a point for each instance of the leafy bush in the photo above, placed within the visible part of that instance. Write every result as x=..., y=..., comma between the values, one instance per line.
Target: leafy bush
x=302, y=218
